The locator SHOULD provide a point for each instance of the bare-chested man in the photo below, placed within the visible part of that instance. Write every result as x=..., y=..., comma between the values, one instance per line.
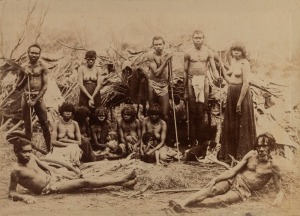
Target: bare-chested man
x=39, y=178
x=129, y=129
x=237, y=184
x=153, y=123
x=196, y=65
x=36, y=73
x=158, y=79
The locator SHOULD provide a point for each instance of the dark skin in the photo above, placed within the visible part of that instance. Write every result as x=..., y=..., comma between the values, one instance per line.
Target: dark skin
x=38, y=75
x=256, y=168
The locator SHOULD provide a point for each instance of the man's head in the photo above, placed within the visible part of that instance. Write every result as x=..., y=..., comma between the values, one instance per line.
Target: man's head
x=158, y=44
x=66, y=110
x=154, y=113
x=22, y=146
x=198, y=38
x=101, y=114
x=128, y=113
x=238, y=50
x=34, y=52
x=90, y=57
x=264, y=144
x=82, y=115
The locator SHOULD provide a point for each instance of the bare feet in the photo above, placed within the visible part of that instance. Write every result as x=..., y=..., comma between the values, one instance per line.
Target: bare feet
x=130, y=176
x=176, y=206
x=130, y=184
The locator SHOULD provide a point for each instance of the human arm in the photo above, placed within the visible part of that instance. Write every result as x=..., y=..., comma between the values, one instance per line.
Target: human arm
x=157, y=71
x=277, y=182
x=12, y=190
x=95, y=137
x=139, y=134
x=185, y=75
x=144, y=127
x=245, y=75
x=81, y=86
x=162, y=138
x=225, y=73
x=233, y=171
x=212, y=63
x=98, y=86
x=43, y=90
x=55, y=141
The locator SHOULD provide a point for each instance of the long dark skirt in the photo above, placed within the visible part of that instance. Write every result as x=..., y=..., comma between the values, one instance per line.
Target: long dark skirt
x=238, y=132
x=84, y=100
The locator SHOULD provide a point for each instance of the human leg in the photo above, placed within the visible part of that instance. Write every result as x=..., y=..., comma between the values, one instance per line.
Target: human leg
x=77, y=184
x=219, y=188
x=227, y=198
x=164, y=102
x=41, y=112
x=192, y=115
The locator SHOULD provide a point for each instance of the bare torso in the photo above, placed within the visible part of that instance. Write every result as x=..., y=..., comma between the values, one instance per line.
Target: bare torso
x=130, y=129
x=236, y=72
x=90, y=74
x=198, y=61
x=66, y=130
x=36, y=76
x=158, y=59
x=31, y=176
x=156, y=128
x=257, y=174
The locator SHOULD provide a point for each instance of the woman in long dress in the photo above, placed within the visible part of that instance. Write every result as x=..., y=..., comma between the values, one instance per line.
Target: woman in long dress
x=239, y=132
x=89, y=77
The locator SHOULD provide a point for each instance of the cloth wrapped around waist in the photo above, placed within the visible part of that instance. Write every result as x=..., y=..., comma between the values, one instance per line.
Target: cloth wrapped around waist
x=31, y=94
x=198, y=83
x=160, y=88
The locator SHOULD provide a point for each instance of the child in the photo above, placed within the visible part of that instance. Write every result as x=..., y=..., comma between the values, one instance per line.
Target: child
x=113, y=149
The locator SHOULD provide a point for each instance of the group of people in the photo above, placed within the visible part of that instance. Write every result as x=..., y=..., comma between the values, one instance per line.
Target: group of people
x=84, y=133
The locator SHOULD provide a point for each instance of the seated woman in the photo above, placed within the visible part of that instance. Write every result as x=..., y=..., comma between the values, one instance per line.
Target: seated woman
x=66, y=138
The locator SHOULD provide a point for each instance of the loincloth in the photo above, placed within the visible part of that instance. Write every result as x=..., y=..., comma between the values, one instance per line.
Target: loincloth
x=71, y=153
x=198, y=83
x=160, y=88
x=240, y=186
x=31, y=95
x=56, y=181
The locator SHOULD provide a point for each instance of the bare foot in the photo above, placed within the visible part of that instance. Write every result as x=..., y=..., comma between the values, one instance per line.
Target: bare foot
x=130, y=176
x=130, y=184
x=176, y=206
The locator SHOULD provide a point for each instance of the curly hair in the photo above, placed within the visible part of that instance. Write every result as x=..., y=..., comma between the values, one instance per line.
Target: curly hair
x=129, y=109
x=198, y=32
x=240, y=47
x=18, y=139
x=91, y=54
x=155, y=109
x=34, y=45
x=101, y=110
x=66, y=107
x=267, y=137
x=81, y=113
x=147, y=136
x=157, y=38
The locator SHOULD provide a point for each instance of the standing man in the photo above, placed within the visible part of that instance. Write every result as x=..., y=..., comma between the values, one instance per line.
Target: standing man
x=196, y=90
x=159, y=77
x=33, y=79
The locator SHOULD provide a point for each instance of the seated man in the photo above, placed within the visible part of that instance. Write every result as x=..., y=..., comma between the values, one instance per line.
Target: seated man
x=237, y=184
x=37, y=177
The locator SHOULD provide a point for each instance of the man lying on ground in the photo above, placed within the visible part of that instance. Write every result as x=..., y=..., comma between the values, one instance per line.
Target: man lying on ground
x=39, y=178
x=237, y=184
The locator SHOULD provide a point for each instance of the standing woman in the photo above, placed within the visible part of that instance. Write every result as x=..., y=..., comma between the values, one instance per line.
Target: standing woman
x=239, y=132
x=89, y=77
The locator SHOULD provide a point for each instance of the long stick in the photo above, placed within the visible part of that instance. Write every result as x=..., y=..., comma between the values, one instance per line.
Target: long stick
x=220, y=86
x=173, y=105
x=188, y=121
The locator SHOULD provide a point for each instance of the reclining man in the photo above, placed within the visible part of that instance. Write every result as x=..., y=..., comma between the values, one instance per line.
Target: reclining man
x=237, y=184
x=39, y=178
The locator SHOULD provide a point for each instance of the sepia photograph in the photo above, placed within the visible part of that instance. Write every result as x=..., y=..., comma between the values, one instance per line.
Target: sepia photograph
x=149, y=107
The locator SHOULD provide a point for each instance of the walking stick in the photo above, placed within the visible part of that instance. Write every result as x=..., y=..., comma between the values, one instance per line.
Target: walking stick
x=220, y=86
x=188, y=121
x=173, y=104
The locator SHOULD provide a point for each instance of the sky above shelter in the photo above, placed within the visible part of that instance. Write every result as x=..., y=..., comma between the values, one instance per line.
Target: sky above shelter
x=262, y=25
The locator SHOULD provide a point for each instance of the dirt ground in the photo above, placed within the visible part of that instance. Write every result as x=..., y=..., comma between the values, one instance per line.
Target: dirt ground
x=116, y=201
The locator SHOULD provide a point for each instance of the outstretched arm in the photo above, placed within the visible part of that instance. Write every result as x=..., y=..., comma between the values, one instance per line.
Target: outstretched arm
x=12, y=190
